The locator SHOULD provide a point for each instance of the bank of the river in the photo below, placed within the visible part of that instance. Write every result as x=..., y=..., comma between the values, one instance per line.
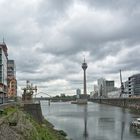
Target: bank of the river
x=135, y=110
x=15, y=124
x=131, y=103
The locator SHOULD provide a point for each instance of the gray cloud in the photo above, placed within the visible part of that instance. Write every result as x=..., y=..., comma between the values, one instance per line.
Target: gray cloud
x=48, y=40
x=50, y=11
x=127, y=5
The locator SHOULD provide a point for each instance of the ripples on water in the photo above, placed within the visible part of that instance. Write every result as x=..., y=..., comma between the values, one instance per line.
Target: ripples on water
x=92, y=121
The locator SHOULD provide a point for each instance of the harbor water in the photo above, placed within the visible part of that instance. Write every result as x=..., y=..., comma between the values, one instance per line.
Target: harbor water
x=91, y=122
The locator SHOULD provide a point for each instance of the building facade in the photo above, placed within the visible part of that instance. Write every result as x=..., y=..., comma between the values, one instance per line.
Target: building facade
x=134, y=85
x=109, y=86
x=114, y=94
x=11, y=79
x=3, y=71
x=101, y=87
x=104, y=87
x=78, y=93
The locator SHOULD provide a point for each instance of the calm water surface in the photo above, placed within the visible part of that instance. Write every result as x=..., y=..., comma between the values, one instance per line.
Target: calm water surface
x=91, y=122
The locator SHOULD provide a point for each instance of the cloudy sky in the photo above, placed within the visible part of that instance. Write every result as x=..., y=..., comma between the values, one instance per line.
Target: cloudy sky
x=49, y=38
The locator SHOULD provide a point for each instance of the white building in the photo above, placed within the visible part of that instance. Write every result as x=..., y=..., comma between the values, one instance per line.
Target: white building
x=105, y=86
x=95, y=88
x=114, y=94
x=134, y=85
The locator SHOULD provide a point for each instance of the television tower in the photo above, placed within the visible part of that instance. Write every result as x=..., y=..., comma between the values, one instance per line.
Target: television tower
x=84, y=67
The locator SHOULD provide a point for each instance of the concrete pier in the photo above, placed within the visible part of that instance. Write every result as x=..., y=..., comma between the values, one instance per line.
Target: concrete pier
x=35, y=111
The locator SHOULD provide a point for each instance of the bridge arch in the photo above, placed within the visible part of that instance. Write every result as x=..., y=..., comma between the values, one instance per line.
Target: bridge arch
x=44, y=94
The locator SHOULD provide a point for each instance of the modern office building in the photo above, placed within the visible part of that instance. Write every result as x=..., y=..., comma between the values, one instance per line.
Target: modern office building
x=11, y=79
x=134, y=85
x=3, y=71
x=11, y=69
x=101, y=86
x=78, y=93
x=104, y=87
x=94, y=93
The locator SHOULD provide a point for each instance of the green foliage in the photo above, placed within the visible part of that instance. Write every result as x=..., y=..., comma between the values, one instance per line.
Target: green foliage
x=44, y=131
x=10, y=109
x=31, y=130
x=7, y=111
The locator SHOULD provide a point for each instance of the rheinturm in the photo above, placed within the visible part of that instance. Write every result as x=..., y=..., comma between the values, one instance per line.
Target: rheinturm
x=83, y=97
x=84, y=67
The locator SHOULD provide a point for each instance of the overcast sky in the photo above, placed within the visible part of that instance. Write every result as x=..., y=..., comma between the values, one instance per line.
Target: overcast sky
x=48, y=39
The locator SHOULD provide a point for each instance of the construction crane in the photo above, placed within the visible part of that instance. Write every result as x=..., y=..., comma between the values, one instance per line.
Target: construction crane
x=122, y=86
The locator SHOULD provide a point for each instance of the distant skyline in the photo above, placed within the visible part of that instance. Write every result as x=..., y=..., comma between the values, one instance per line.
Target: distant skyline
x=48, y=39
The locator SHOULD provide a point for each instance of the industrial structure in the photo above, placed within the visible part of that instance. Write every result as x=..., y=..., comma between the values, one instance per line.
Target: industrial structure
x=122, y=85
x=28, y=91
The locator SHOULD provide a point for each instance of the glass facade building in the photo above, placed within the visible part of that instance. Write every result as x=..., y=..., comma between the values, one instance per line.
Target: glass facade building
x=104, y=87
x=3, y=70
x=134, y=84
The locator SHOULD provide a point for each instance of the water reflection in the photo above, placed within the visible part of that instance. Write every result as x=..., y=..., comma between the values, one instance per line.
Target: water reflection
x=91, y=122
x=123, y=123
x=85, y=134
x=106, y=123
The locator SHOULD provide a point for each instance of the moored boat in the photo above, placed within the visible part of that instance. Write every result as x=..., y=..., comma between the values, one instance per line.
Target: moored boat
x=136, y=123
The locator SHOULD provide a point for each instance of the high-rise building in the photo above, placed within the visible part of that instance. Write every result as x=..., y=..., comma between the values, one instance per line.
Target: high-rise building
x=3, y=71
x=134, y=84
x=11, y=69
x=104, y=87
x=78, y=93
x=101, y=87
x=11, y=77
x=95, y=88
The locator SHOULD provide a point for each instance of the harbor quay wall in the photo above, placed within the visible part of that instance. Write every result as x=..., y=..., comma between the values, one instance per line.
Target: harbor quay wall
x=35, y=111
x=133, y=103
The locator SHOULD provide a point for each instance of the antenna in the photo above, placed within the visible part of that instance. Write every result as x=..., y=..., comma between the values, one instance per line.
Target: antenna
x=3, y=40
x=84, y=57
